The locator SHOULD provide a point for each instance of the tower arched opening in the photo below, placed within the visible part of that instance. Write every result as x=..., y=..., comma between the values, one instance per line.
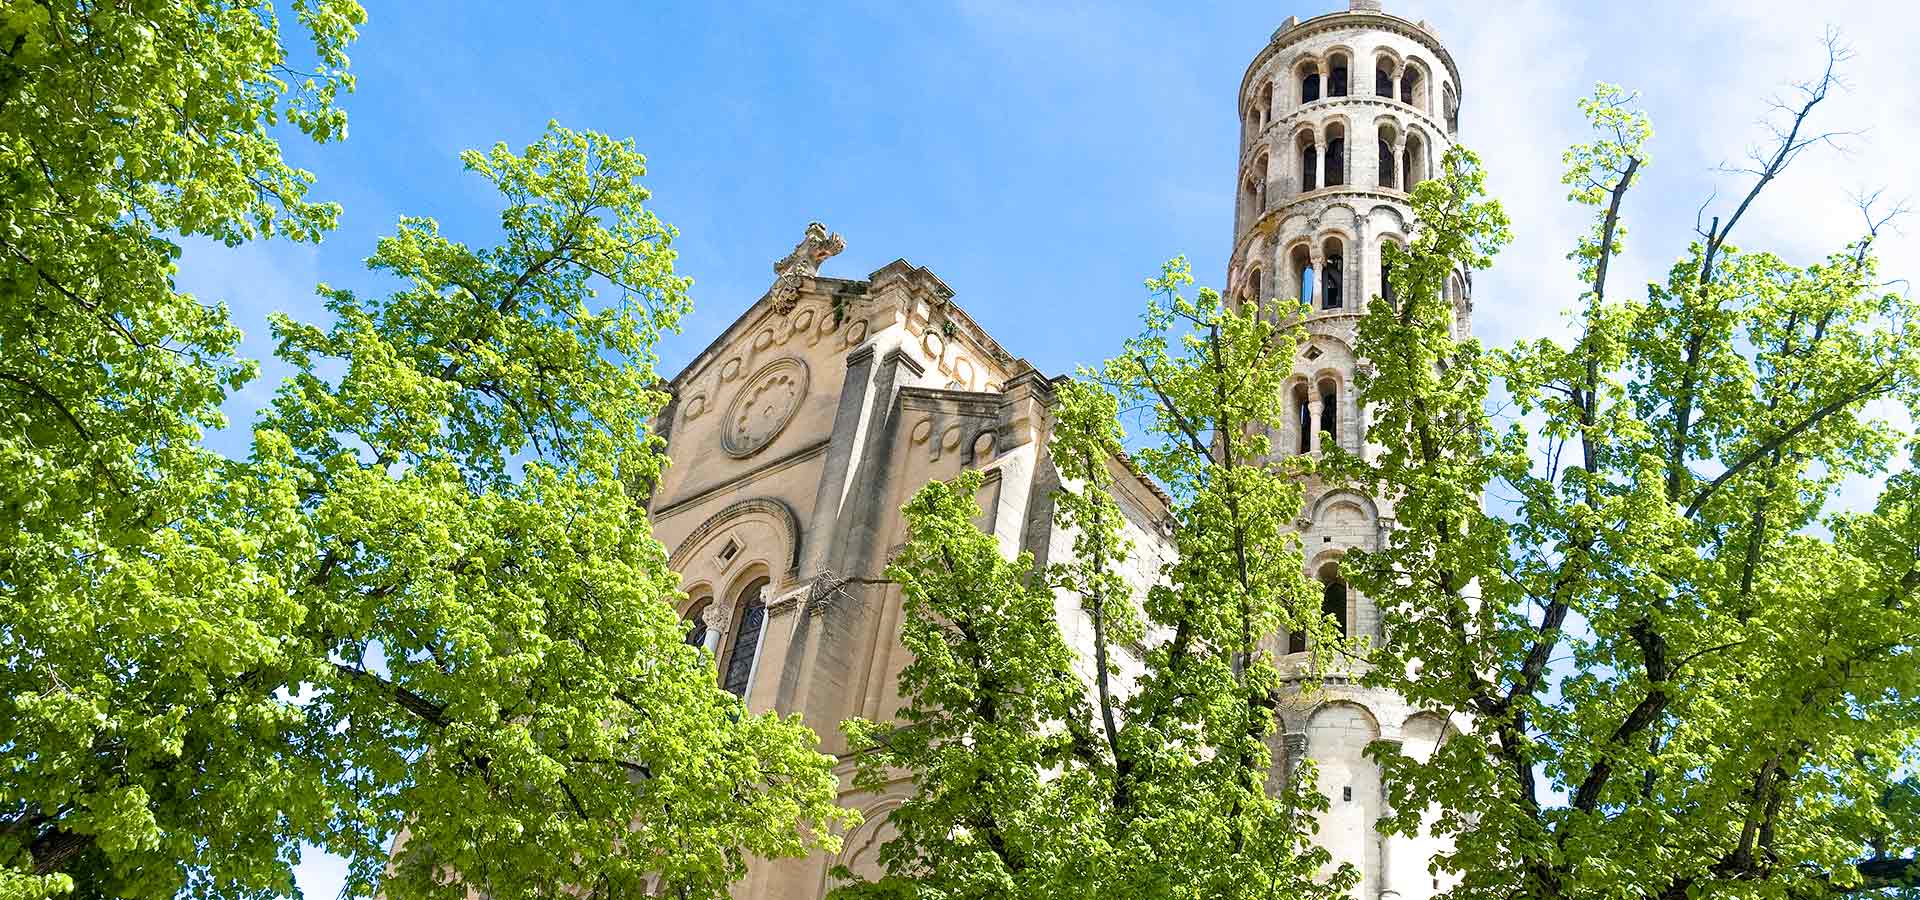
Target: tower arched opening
x=1333, y=289
x=1253, y=192
x=1415, y=160
x=1309, y=75
x=1309, y=162
x=1329, y=414
x=1303, y=419
x=1303, y=274
x=1389, y=164
x=1336, y=154
x=1337, y=74
x=1333, y=597
x=1413, y=86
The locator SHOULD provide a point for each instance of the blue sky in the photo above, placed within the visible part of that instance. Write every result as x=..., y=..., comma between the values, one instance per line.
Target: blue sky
x=1044, y=158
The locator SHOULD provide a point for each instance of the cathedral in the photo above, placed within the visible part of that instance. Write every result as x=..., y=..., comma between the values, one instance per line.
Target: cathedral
x=804, y=427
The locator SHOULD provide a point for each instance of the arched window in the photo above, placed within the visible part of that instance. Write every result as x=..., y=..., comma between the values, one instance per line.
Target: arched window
x=1309, y=83
x=1416, y=161
x=1388, y=165
x=1451, y=108
x=1303, y=274
x=1309, y=163
x=746, y=638
x=1303, y=408
x=1329, y=416
x=1333, y=597
x=1382, y=80
x=1336, y=154
x=1412, y=92
x=1332, y=295
x=1386, y=279
x=697, y=622
x=1254, y=192
x=1337, y=75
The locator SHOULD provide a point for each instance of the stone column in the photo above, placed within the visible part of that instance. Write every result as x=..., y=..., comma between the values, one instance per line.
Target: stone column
x=718, y=617
x=1319, y=163
x=1400, y=162
x=1318, y=300
x=1313, y=416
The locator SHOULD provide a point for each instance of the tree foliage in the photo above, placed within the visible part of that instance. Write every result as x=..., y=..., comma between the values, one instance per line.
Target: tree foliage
x=1141, y=769
x=427, y=601
x=1690, y=671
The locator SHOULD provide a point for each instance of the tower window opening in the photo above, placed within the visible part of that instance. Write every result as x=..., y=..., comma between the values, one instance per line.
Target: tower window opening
x=1309, y=83
x=1451, y=106
x=1336, y=155
x=1303, y=409
x=1330, y=417
x=1411, y=88
x=1388, y=165
x=1346, y=793
x=1332, y=295
x=1386, y=277
x=746, y=638
x=1333, y=598
x=1337, y=77
x=1416, y=161
x=1309, y=163
x=1303, y=275
x=1382, y=81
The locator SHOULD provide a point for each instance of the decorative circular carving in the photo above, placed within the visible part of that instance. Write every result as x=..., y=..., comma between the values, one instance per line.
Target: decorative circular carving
x=763, y=407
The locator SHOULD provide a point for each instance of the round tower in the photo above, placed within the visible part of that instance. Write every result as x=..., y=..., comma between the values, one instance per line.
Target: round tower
x=1341, y=114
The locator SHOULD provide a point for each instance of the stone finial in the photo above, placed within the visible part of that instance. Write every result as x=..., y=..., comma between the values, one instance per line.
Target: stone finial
x=815, y=247
x=1366, y=5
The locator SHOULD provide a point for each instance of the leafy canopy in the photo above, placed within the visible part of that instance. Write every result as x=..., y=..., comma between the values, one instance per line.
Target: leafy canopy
x=427, y=605
x=1140, y=769
x=1690, y=673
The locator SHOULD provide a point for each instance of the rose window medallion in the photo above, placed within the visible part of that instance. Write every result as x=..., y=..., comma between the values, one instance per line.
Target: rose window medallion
x=764, y=407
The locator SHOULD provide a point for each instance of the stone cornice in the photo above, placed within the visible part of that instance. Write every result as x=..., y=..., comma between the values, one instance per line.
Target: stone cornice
x=1293, y=119
x=1268, y=220
x=1349, y=20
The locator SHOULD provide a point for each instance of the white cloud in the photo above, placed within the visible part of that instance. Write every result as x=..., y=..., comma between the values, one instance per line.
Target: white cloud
x=1706, y=71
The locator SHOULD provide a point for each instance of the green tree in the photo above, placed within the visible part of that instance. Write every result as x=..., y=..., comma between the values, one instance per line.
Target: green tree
x=1029, y=781
x=427, y=600
x=1689, y=673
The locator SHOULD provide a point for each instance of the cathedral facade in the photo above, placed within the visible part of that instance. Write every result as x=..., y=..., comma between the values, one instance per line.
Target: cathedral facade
x=800, y=432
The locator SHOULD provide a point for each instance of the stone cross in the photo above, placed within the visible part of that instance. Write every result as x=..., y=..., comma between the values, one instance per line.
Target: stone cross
x=802, y=264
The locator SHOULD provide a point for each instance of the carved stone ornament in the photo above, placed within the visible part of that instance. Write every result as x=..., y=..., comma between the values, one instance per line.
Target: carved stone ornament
x=803, y=264
x=763, y=407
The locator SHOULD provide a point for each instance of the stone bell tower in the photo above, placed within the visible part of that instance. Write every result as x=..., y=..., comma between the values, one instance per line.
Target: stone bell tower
x=1341, y=114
